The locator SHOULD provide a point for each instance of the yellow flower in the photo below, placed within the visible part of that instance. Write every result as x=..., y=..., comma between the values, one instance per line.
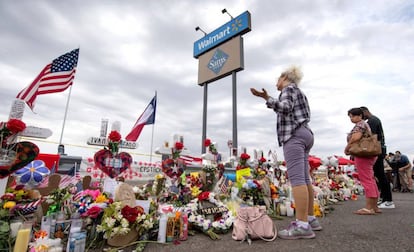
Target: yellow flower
x=159, y=176
x=101, y=198
x=195, y=191
x=317, y=210
x=9, y=204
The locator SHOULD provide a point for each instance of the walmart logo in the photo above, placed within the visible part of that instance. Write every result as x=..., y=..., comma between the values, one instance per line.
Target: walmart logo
x=218, y=60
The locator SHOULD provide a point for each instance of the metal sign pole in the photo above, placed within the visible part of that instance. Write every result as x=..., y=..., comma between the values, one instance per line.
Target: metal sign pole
x=235, y=144
x=204, y=136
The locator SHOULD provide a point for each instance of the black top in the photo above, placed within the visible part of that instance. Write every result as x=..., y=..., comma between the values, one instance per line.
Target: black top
x=376, y=128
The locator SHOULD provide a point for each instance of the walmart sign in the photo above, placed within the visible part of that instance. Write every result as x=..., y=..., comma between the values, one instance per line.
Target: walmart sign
x=237, y=26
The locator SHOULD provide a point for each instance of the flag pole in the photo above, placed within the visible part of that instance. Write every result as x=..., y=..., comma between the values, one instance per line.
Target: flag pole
x=64, y=118
x=152, y=141
x=152, y=134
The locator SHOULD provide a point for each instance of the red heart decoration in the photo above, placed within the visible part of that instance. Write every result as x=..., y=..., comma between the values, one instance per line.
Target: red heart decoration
x=112, y=165
x=26, y=152
x=171, y=169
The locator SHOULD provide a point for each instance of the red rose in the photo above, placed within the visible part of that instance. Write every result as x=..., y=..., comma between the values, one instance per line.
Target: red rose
x=15, y=126
x=262, y=160
x=207, y=142
x=179, y=146
x=114, y=136
x=8, y=196
x=93, y=212
x=129, y=213
x=203, y=196
x=244, y=156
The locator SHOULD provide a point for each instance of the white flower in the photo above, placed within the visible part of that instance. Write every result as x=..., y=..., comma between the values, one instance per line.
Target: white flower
x=206, y=224
x=148, y=224
x=229, y=221
x=192, y=218
x=124, y=230
x=135, y=189
x=124, y=223
x=110, y=222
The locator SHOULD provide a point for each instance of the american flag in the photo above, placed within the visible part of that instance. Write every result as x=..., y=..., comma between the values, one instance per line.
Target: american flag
x=27, y=208
x=55, y=77
x=65, y=181
x=189, y=160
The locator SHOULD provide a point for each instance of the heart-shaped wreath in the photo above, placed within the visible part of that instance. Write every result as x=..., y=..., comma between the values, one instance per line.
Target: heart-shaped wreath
x=112, y=165
x=25, y=152
x=171, y=168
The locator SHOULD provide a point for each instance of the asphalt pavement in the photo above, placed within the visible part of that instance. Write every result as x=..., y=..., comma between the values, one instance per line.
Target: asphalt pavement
x=392, y=230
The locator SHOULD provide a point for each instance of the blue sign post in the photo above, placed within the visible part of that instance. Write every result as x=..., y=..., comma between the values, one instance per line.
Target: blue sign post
x=237, y=26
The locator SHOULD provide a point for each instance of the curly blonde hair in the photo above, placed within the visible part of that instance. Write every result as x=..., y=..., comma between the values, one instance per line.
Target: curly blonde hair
x=293, y=74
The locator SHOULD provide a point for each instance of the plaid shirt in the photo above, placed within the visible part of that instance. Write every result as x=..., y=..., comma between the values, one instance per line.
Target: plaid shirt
x=292, y=109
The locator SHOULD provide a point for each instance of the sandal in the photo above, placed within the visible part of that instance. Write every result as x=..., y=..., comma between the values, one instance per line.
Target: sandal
x=377, y=211
x=364, y=211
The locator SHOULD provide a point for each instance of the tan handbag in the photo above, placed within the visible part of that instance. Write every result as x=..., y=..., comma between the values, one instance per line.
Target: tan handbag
x=253, y=223
x=367, y=146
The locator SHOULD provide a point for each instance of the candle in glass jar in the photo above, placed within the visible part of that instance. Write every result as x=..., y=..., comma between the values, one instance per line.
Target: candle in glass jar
x=283, y=209
x=22, y=240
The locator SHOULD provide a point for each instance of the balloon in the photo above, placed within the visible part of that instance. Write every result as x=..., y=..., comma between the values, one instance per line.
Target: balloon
x=32, y=174
x=112, y=165
x=26, y=152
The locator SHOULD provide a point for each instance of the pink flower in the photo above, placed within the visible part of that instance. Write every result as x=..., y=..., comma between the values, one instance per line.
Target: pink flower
x=92, y=193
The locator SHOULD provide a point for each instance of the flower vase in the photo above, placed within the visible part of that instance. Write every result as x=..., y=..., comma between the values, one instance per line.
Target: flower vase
x=122, y=240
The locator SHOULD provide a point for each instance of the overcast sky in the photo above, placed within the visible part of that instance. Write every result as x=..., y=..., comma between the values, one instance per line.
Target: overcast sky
x=352, y=53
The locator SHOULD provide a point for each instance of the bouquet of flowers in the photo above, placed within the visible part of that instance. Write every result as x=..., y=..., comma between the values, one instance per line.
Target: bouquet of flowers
x=243, y=161
x=120, y=220
x=211, y=147
x=251, y=192
x=8, y=135
x=10, y=130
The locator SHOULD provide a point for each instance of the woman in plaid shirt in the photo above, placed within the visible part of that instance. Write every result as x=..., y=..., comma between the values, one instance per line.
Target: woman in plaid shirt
x=294, y=134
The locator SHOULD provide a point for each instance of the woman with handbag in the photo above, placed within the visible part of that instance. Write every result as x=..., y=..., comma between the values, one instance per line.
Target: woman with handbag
x=364, y=164
x=296, y=137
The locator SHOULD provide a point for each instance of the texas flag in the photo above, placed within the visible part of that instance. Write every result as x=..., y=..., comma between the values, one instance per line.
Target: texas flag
x=148, y=117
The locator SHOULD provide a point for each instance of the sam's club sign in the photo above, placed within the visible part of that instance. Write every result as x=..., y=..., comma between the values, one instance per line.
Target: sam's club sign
x=237, y=26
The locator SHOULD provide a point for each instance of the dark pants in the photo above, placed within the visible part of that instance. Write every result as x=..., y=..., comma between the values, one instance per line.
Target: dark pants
x=383, y=184
x=396, y=179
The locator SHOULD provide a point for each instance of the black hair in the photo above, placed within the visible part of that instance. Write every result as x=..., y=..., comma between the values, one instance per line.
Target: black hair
x=355, y=112
x=364, y=108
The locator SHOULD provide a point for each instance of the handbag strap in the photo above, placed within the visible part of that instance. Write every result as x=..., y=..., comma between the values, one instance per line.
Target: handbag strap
x=267, y=239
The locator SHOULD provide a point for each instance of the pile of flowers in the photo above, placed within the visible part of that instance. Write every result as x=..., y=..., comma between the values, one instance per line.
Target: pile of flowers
x=119, y=220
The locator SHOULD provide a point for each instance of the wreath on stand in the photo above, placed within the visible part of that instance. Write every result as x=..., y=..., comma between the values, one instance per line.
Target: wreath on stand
x=209, y=215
